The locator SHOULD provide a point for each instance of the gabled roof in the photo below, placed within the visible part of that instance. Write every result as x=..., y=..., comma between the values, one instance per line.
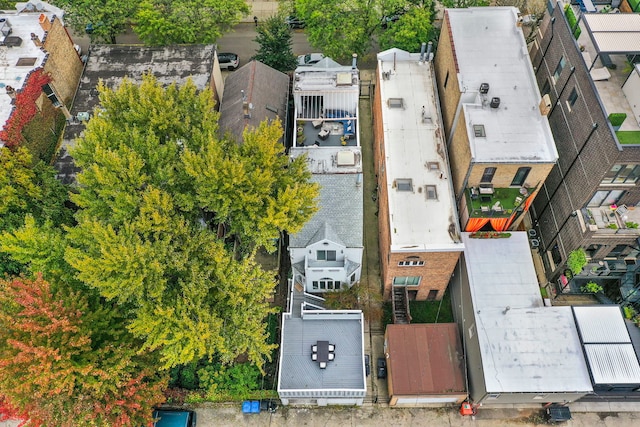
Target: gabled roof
x=264, y=88
x=339, y=207
x=325, y=232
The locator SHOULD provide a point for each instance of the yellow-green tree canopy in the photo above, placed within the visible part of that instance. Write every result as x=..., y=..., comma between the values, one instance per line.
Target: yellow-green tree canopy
x=157, y=183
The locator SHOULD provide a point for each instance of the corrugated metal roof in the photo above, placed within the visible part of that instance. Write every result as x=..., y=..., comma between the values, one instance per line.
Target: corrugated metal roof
x=425, y=359
x=601, y=324
x=613, y=363
x=614, y=32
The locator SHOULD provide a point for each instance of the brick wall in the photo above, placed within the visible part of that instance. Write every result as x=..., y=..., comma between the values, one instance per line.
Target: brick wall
x=446, y=71
x=63, y=62
x=435, y=273
x=586, y=147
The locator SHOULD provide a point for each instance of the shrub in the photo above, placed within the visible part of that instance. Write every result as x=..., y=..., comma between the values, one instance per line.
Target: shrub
x=612, y=226
x=616, y=119
x=572, y=20
x=630, y=224
x=629, y=312
x=577, y=259
x=592, y=288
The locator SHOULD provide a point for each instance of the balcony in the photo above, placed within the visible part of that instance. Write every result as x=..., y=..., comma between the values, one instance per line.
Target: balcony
x=604, y=221
x=494, y=202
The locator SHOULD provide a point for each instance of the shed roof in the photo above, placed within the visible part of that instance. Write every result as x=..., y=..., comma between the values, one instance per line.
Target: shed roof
x=524, y=346
x=425, y=359
x=265, y=89
x=613, y=33
x=490, y=48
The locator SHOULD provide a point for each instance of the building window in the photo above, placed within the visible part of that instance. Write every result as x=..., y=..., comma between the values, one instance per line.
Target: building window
x=395, y=103
x=326, y=255
x=406, y=281
x=433, y=294
x=353, y=278
x=410, y=263
x=478, y=131
x=605, y=198
x=521, y=176
x=446, y=80
x=432, y=192
x=561, y=64
x=404, y=185
x=546, y=88
x=573, y=97
x=617, y=251
x=326, y=284
x=622, y=174
x=487, y=175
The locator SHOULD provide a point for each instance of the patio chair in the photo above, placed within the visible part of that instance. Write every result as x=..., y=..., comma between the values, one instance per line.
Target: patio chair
x=314, y=348
x=314, y=356
x=332, y=356
x=332, y=347
x=323, y=365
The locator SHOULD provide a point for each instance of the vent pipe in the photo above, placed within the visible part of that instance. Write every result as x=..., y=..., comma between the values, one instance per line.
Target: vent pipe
x=36, y=40
x=423, y=46
x=429, y=54
x=354, y=61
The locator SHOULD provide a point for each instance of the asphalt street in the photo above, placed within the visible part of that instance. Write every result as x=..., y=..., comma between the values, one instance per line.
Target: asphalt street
x=239, y=41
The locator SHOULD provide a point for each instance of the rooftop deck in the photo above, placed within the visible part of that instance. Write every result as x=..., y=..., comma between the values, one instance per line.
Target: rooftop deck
x=609, y=90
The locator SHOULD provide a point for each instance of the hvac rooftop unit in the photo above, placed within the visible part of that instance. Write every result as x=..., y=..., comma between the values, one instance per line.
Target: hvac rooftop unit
x=495, y=102
x=484, y=88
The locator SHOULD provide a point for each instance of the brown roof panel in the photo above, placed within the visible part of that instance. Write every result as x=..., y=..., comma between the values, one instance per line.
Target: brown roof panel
x=425, y=359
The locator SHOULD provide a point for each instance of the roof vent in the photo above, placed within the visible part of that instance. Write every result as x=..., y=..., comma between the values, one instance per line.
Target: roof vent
x=495, y=102
x=484, y=88
x=5, y=27
x=346, y=158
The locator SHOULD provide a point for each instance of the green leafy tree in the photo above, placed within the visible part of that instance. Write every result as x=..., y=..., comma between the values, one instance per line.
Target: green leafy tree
x=410, y=31
x=577, y=260
x=163, y=22
x=274, y=40
x=340, y=28
x=68, y=362
x=147, y=233
x=103, y=20
x=28, y=189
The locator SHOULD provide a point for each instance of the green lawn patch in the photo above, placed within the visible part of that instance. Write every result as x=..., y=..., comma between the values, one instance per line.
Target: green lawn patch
x=509, y=198
x=432, y=311
x=628, y=137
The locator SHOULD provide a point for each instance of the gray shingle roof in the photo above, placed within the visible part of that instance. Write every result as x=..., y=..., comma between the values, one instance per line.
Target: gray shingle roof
x=340, y=210
x=265, y=88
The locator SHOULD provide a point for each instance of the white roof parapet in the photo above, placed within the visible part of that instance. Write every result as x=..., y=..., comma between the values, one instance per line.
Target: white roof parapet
x=490, y=48
x=422, y=211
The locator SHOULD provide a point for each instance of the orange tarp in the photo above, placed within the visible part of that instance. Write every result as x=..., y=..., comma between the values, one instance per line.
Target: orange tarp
x=475, y=224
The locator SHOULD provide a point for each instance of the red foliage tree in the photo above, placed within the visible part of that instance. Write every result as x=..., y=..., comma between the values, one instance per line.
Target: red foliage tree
x=69, y=362
x=24, y=107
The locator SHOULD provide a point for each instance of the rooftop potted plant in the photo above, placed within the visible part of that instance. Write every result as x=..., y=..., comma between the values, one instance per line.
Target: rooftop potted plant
x=577, y=260
x=616, y=120
x=591, y=288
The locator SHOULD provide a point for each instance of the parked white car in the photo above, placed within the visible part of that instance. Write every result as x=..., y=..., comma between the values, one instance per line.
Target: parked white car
x=228, y=61
x=310, y=58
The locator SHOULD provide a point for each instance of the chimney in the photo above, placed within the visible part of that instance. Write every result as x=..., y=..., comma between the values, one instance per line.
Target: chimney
x=423, y=46
x=429, y=56
x=11, y=92
x=354, y=61
x=36, y=40
x=44, y=22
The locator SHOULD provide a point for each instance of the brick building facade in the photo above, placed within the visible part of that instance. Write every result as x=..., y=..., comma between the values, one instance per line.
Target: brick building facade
x=594, y=173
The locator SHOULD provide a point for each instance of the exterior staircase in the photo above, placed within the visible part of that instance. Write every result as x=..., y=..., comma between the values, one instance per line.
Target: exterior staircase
x=400, y=305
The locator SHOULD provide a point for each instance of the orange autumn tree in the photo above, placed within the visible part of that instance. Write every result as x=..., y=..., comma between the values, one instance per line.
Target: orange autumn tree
x=67, y=362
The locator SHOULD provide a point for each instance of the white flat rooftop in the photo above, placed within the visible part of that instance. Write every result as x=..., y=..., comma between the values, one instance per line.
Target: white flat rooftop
x=12, y=74
x=415, y=152
x=490, y=48
x=525, y=347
